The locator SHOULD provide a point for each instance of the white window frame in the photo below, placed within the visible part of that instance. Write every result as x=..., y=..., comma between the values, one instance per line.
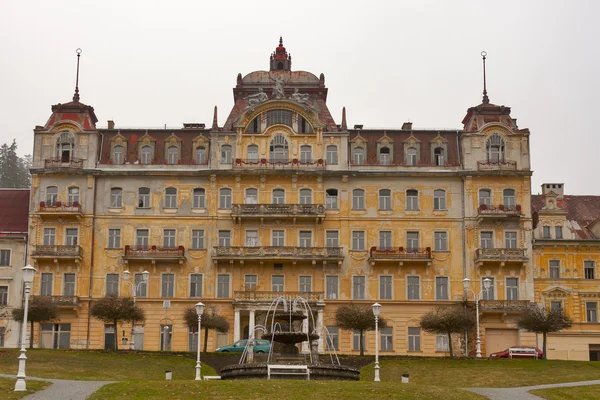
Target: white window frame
x=332, y=241
x=218, y=294
x=224, y=240
x=305, y=239
x=412, y=202
x=360, y=294
x=332, y=295
x=358, y=239
x=358, y=199
x=511, y=288
x=171, y=198
x=331, y=154
x=508, y=241
x=279, y=237
x=197, y=287
x=440, y=243
x=491, y=239
x=331, y=202
x=199, y=198
x=273, y=276
x=408, y=285
x=439, y=201
x=305, y=196
x=382, y=290
x=302, y=285
x=278, y=199
x=385, y=201
x=225, y=198
x=250, y=285
x=440, y=278
x=173, y=285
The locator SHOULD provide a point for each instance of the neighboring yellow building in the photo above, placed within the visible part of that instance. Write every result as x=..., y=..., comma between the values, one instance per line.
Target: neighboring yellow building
x=566, y=254
x=281, y=200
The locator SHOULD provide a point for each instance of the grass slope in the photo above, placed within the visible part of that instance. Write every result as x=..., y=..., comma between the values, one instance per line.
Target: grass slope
x=591, y=392
x=7, y=387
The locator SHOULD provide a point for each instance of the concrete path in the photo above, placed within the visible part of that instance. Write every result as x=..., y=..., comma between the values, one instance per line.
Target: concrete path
x=63, y=389
x=522, y=393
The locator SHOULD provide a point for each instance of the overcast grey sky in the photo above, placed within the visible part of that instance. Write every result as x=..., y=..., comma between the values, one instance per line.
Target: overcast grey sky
x=150, y=63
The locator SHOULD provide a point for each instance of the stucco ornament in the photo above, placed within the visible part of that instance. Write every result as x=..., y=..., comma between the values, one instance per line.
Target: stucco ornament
x=301, y=98
x=278, y=91
x=257, y=98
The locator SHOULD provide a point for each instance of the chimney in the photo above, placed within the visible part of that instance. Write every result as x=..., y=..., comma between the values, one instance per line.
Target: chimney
x=407, y=126
x=111, y=124
x=558, y=188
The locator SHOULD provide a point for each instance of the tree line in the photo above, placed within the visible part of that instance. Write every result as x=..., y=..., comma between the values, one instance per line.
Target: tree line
x=14, y=170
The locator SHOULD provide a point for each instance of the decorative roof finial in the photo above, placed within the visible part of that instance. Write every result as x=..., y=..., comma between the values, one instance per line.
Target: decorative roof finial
x=486, y=100
x=76, y=95
x=281, y=40
x=344, y=126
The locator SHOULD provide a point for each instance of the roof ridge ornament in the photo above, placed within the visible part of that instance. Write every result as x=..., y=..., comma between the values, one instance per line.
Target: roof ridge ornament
x=76, y=95
x=486, y=99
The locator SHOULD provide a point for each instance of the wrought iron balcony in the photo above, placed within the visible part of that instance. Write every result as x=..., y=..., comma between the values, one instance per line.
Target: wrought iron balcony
x=60, y=162
x=264, y=163
x=251, y=295
x=485, y=212
x=278, y=253
x=239, y=211
x=63, y=301
x=506, y=165
x=504, y=306
x=57, y=252
x=154, y=254
x=500, y=255
x=400, y=254
x=60, y=209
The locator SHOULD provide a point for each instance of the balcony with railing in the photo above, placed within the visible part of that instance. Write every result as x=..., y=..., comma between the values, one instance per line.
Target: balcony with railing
x=265, y=163
x=154, y=254
x=501, y=255
x=504, y=306
x=63, y=162
x=248, y=211
x=400, y=254
x=504, y=165
x=259, y=296
x=57, y=252
x=501, y=211
x=59, y=209
x=62, y=301
x=387, y=165
x=278, y=253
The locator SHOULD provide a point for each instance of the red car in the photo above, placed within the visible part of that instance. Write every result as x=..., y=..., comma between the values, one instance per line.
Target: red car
x=519, y=352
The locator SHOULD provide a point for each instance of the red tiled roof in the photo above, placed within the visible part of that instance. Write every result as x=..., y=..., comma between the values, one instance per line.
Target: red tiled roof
x=583, y=209
x=14, y=210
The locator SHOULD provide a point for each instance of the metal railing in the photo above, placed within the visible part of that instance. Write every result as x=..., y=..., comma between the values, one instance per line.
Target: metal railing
x=277, y=209
x=278, y=252
x=60, y=207
x=59, y=162
x=278, y=164
x=499, y=210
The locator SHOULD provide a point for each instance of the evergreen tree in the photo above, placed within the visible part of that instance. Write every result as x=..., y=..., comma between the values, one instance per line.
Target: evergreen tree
x=14, y=171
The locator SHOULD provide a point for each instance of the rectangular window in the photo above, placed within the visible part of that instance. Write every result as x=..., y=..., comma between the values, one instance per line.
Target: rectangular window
x=278, y=238
x=385, y=287
x=331, y=199
x=333, y=338
x=114, y=238
x=198, y=239
x=3, y=301
x=440, y=241
x=277, y=283
x=46, y=285
x=591, y=311
x=251, y=238
x=225, y=198
x=332, y=155
x=71, y=235
x=386, y=339
x=385, y=200
x=358, y=240
x=116, y=198
x=222, y=286
x=169, y=238
x=196, y=285
x=305, y=283
x=142, y=238
x=49, y=236
x=332, y=239
x=144, y=198
x=486, y=240
x=441, y=288
x=412, y=200
x=554, y=269
x=224, y=238
x=510, y=240
x=385, y=240
x=356, y=340
x=167, y=285
x=69, y=284
x=305, y=238
x=546, y=232
x=558, y=232
x=512, y=289
x=358, y=199
x=4, y=258
x=278, y=196
x=112, y=284
x=199, y=200
x=441, y=342
x=489, y=294
x=305, y=154
x=251, y=196
x=439, y=200
x=412, y=241
x=142, y=288
x=331, y=287
x=412, y=286
x=250, y=282
x=589, y=269
x=556, y=305
x=414, y=339
x=358, y=287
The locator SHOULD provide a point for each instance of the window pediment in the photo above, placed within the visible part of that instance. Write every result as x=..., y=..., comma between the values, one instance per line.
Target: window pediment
x=556, y=293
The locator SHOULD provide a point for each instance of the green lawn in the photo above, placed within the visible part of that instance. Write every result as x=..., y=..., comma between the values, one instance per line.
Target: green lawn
x=7, y=387
x=591, y=392
x=100, y=366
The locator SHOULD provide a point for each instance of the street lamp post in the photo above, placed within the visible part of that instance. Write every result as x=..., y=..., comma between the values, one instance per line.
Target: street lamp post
x=477, y=297
x=376, y=310
x=134, y=290
x=199, y=311
x=20, y=385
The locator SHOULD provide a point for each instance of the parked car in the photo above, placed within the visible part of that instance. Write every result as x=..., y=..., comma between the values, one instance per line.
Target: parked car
x=260, y=346
x=518, y=352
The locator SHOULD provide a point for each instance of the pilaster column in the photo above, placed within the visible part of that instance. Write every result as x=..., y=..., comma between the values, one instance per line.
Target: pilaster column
x=236, y=325
x=251, y=323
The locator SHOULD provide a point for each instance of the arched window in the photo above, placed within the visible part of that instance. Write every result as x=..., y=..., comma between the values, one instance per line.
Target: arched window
x=199, y=200
x=170, y=197
x=305, y=196
x=411, y=156
x=358, y=199
x=412, y=200
x=73, y=195
x=201, y=155
x=51, y=196
x=485, y=197
x=144, y=197
x=495, y=148
x=253, y=152
x=385, y=199
x=278, y=196
x=278, y=150
x=254, y=126
x=332, y=155
x=439, y=199
x=384, y=156
x=331, y=199
x=118, y=154
x=358, y=156
x=146, y=155
x=305, y=154
x=283, y=117
x=509, y=198
x=438, y=156
x=116, y=198
x=225, y=198
x=304, y=125
x=172, y=155
x=65, y=146
x=251, y=196
x=226, y=154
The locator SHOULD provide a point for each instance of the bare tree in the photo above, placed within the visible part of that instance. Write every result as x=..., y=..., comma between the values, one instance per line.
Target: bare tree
x=448, y=320
x=114, y=309
x=40, y=309
x=357, y=317
x=537, y=319
x=211, y=319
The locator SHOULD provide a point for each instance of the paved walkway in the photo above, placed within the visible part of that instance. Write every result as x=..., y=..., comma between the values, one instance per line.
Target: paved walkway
x=63, y=389
x=522, y=393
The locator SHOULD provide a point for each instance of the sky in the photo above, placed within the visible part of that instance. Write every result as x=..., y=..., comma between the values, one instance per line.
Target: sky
x=156, y=63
